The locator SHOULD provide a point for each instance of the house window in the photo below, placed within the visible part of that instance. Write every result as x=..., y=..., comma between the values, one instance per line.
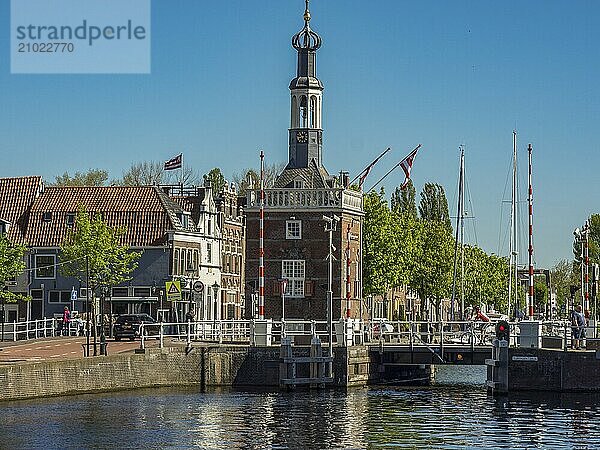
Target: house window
x=120, y=292
x=47, y=216
x=209, y=252
x=70, y=219
x=209, y=226
x=59, y=297
x=141, y=292
x=44, y=266
x=293, y=229
x=293, y=271
x=176, y=262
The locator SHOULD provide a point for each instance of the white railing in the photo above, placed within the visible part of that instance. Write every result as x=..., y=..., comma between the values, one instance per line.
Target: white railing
x=32, y=329
x=307, y=198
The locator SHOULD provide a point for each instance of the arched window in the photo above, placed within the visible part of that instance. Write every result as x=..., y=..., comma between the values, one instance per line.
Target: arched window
x=294, y=112
x=176, y=262
x=313, y=112
x=303, y=112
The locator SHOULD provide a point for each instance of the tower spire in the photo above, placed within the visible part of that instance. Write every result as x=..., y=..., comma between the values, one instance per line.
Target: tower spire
x=305, y=134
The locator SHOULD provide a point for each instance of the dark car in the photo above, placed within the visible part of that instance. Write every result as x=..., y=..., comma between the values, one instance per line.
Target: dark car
x=128, y=326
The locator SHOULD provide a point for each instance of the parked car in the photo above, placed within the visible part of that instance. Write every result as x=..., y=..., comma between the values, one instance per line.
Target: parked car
x=128, y=326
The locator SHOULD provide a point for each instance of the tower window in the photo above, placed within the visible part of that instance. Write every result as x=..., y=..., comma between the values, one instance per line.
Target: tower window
x=313, y=112
x=293, y=229
x=303, y=112
x=293, y=271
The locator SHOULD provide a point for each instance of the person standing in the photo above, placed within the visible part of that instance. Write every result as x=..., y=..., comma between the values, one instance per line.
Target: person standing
x=66, y=321
x=577, y=328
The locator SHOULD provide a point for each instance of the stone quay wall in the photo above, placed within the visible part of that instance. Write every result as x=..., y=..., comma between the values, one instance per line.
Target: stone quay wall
x=203, y=365
x=553, y=370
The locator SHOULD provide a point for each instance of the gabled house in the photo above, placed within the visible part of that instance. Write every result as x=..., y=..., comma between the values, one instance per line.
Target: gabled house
x=16, y=197
x=170, y=241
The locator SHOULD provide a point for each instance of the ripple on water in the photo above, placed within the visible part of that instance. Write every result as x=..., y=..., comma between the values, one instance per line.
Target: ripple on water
x=449, y=416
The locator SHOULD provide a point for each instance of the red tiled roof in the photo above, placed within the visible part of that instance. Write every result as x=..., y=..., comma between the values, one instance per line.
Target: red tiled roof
x=16, y=197
x=138, y=208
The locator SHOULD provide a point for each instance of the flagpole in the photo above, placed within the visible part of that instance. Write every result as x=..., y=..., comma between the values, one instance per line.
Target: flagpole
x=181, y=173
x=394, y=168
x=370, y=165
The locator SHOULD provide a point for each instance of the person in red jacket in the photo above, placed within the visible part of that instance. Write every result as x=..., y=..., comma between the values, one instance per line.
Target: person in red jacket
x=66, y=321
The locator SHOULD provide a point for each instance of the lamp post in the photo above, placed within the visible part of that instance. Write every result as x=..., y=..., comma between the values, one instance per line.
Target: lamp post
x=215, y=288
x=330, y=227
x=104, y=291
x=284, y=283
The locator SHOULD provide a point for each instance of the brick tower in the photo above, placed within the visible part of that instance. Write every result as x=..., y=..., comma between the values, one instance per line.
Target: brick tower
x=295, y=207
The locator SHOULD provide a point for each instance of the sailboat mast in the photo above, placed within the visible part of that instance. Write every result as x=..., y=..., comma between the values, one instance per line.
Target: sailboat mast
x=512, y=265
x=456, y=240
x=530, y=202
x=462, y=230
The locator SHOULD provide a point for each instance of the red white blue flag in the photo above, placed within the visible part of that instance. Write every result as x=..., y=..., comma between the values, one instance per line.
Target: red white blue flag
x=174, y=163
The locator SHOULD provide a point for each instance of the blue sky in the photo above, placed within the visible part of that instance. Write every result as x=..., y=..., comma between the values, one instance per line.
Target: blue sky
x=396, y=74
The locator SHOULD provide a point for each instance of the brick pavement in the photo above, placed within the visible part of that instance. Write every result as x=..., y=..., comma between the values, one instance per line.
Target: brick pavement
x=60, y=348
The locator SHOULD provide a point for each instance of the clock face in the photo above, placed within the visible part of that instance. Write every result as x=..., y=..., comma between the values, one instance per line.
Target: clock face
x=301, y=136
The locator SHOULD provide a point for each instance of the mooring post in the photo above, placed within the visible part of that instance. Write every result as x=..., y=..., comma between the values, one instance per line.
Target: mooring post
x=285, y=353
x=497, y=373
x=316, y=351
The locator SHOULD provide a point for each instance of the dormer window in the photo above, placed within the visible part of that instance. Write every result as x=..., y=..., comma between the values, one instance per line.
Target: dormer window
x=70, y=219
x=3, y=227
x=47, y=216
x=298, y=184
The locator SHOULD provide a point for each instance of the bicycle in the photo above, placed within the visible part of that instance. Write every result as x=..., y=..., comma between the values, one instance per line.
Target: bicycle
x=481, y=332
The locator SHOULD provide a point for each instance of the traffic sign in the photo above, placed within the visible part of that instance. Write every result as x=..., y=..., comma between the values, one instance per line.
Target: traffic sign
x=199, y=287
x=73, y=295
x=173, y=289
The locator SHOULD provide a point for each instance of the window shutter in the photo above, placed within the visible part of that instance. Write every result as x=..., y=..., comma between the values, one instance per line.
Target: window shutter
x=276, y=287
x=309, y=288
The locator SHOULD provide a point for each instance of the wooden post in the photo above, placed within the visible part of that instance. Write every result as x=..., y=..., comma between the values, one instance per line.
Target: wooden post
x=284, y=367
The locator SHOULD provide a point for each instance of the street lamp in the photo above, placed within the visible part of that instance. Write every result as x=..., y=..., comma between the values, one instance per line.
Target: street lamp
x=215, y=288
x=330, y=227
x=284, y=283
x=104, y=291
x=191, y=270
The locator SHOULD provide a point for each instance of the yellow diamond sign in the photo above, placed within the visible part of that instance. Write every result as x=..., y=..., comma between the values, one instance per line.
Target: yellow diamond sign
x=173, y=289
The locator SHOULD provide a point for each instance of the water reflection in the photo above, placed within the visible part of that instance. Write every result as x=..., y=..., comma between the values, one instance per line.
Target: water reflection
x=451, y=416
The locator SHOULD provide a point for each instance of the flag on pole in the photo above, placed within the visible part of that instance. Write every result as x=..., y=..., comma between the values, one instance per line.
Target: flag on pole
x=406, y=165
x=363, y=175
x=174, y=163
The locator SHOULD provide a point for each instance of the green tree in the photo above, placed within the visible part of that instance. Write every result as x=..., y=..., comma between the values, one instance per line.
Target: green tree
x=433, y=204
x=94, y=247
x=404, y=200
x=432, y=275
x=379, y=259
x=12, y=265
x=561, y=276
x=93, y=177
x=216, y=178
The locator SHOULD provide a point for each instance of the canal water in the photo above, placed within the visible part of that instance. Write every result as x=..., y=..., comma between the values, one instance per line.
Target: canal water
x=455, y=413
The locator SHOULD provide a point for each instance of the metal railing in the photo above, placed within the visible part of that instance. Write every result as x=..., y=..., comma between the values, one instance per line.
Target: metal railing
x=32, y=329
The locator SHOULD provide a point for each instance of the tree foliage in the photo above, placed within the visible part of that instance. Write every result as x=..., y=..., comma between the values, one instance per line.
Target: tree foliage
x=433, y=204
x=404, y=200
x=146, y=173
x=216, y=178
x=12, y=265
x=250, y=178
x=150, y=173
x=109, y=262
x=92, y=177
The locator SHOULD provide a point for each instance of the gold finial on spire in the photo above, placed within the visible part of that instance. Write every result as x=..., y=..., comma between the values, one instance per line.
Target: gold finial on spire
x=307, y=13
